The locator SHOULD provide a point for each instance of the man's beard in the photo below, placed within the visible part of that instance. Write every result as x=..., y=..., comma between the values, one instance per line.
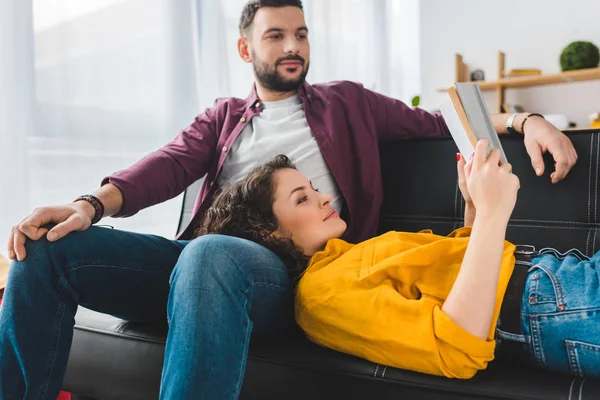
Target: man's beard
x=271, y=79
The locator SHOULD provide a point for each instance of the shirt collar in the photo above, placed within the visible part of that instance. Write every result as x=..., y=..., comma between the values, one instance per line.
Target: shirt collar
x=305, y=91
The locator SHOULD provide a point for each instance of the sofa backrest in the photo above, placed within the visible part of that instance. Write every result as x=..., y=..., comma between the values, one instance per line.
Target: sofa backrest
x=421, y=192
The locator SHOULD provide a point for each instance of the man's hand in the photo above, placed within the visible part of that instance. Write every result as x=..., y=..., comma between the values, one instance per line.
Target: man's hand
x=542, y=136
x=70, y=217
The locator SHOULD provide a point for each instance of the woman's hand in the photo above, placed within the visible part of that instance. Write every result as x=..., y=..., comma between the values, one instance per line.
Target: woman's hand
x=461, y=166
x=462, y=178
x=490, y=183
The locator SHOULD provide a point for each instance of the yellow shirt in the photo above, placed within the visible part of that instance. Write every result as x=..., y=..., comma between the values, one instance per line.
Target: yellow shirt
x=382, y=300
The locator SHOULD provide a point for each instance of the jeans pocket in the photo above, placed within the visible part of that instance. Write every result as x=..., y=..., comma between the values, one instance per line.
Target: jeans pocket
x=542, y=287
x=584, y=358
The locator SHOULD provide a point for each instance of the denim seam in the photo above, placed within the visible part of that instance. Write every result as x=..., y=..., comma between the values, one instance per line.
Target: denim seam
x=594, y=240
x=238, y=386
x=555, y=284
x=54, y=350
x=563, y=313
x=538, y=351
x=584, y=345
x=561, y=256
x=533, y=290
x=282, y=288
x=520, y=338
x=81, y=265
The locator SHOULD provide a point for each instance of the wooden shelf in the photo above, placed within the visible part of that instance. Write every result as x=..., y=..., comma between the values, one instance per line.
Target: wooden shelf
x=588, y=74
x=503, y=83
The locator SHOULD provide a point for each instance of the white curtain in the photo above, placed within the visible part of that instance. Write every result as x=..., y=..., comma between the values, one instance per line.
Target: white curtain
x=89, y=87
x=16, y=111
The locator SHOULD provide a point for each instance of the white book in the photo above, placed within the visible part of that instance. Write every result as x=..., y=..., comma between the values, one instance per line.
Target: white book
x=468, y=119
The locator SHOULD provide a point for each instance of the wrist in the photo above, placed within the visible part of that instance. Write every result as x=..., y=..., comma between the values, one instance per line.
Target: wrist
x=86, y=208
x=512, y=123
x=95, y=203
x=529, y=119
x=493, y=219
x=518, y=122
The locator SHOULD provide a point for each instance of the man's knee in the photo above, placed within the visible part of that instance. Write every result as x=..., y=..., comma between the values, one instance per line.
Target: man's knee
x=223, y=258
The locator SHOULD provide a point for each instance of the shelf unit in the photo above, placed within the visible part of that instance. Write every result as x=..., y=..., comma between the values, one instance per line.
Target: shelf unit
x=503, y=83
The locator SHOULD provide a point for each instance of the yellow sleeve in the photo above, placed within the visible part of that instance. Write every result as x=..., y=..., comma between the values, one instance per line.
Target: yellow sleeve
x=382, y=326
x=465, y=231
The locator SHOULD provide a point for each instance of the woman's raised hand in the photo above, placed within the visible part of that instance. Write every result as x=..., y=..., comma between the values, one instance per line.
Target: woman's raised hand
x=490, y=183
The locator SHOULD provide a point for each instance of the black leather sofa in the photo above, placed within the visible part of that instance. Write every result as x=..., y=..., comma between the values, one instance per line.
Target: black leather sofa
x=115, y=359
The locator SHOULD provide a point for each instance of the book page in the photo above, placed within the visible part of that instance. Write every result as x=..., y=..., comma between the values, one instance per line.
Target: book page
x=456, y=128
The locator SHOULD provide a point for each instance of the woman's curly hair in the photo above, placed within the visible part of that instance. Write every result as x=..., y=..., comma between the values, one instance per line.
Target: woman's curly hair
x=245, y=210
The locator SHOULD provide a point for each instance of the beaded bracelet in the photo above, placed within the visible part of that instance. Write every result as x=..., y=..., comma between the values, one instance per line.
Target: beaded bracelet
x=96, y=203
x=529, y=115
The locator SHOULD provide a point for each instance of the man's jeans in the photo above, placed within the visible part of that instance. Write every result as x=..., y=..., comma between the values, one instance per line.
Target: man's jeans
x=215, y=291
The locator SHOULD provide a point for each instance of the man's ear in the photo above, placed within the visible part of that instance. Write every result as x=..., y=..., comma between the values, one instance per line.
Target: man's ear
x=244, y=49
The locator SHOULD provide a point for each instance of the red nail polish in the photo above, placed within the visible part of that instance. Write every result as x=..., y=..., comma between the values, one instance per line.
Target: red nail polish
x=472, y=155
x=457, y=156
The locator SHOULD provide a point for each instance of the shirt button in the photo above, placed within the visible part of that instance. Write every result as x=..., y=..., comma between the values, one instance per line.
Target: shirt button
x=224, y=149
x=242, y=119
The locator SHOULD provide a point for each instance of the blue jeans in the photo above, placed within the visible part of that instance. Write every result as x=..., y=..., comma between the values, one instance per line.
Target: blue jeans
x=561, y=313
x=215, y=291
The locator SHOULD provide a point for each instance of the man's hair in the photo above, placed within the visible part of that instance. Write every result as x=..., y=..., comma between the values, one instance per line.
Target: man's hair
x=245, y=210
x=253, y=6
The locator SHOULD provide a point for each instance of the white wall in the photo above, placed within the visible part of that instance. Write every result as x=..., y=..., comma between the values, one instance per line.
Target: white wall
x=532, y=33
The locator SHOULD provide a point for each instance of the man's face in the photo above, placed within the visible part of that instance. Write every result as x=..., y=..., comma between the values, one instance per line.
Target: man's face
x=279, y=48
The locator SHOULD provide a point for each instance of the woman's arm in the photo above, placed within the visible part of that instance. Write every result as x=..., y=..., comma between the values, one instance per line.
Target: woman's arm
x=493, y=189
x=471, y=300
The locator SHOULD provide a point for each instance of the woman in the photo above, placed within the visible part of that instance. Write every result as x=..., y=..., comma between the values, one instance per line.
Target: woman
x=420, y=301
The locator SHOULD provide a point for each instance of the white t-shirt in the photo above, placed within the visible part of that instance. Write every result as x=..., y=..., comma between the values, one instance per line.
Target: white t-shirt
x=280, y=128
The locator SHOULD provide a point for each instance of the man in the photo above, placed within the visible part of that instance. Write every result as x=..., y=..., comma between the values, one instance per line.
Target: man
x=214, y=290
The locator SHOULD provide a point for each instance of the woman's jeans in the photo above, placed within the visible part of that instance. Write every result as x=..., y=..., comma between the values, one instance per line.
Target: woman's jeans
x=215, y=291
x=561, y=313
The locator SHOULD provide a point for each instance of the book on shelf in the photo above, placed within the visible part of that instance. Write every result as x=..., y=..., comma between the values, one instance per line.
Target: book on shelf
x=522, y=72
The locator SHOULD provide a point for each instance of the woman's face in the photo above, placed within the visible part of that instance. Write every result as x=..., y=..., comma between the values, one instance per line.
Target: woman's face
x=304, y=215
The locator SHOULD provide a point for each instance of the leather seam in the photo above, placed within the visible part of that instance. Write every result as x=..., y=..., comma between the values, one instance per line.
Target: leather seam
x=590, y=177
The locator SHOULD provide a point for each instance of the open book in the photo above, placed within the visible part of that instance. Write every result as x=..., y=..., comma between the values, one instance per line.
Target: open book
x=468, y=119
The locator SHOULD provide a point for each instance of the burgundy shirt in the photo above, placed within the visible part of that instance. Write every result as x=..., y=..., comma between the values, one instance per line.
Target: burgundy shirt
x=348, y=122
